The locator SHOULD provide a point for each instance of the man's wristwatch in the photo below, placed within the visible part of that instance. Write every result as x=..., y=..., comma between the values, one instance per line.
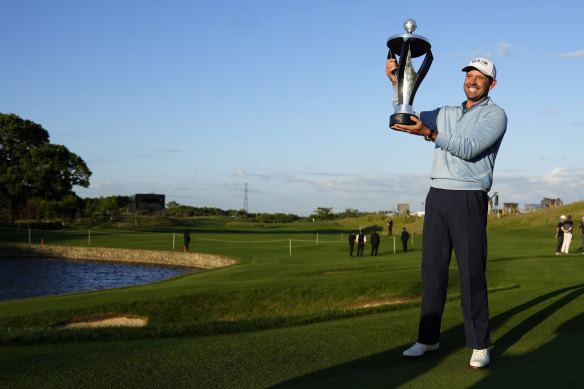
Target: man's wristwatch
x=430, y=135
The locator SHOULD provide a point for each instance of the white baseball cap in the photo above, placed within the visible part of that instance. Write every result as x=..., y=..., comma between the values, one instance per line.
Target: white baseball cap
x=563, y=217
x=483, y=65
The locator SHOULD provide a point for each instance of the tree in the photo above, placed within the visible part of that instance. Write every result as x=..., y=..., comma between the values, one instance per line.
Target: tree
x=172, y=205
x=349, y=212
x=30, y=166
x=323, y=213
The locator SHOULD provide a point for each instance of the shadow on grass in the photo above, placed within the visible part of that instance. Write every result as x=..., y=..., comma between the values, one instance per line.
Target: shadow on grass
x=556, y=363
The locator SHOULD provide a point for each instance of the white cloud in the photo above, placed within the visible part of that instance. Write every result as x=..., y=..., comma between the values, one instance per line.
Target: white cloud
x=302, y=192
x=503, y=49
x=506, y=50
x=559, y=182
x=574, y=54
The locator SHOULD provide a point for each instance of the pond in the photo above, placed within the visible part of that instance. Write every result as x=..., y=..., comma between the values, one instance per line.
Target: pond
x=30, y=277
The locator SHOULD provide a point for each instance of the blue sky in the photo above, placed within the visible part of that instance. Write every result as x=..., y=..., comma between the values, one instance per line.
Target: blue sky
x=193, y=99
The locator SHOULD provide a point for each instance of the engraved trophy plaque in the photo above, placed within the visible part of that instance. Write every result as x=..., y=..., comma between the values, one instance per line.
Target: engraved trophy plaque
x=408, y=46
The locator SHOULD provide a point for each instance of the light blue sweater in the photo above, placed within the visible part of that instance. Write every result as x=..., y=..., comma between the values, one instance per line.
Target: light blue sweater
x=466, y=145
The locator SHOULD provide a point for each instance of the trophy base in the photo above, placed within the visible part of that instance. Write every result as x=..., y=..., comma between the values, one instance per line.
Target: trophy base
x=401, y=118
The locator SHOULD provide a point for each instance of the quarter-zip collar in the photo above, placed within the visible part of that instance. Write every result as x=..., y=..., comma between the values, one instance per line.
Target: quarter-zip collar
x=481, y=103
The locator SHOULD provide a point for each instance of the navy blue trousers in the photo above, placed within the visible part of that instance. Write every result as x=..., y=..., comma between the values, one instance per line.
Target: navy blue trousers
x=455, y=219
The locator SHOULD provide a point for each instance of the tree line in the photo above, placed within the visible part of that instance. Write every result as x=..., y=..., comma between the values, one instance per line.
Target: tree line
x=37, y=179
x=320, y=213
x=177, y=210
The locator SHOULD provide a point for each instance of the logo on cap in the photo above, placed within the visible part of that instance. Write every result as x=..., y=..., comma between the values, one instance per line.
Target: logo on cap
x=481, y=61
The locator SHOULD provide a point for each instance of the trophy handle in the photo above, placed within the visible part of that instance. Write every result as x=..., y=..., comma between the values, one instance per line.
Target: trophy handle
x=421, y=74
x=391, y=55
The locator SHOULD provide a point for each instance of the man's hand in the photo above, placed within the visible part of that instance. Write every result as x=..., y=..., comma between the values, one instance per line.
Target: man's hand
x=417, y=129
x=390, y=68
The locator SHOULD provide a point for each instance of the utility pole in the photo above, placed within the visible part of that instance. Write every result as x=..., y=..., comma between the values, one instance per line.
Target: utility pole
x=245, y=199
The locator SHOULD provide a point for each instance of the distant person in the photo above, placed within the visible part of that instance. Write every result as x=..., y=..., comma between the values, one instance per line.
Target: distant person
x=404, y=238
x=390, y=227
x=374, y=243
x=187, y=240
x=560, y=235
x=352, y=238
x=361, y=239
x=582, y=233
x=567, y=228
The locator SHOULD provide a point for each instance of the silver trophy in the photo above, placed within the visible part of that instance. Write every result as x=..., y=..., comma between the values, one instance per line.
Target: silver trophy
x=408, y=46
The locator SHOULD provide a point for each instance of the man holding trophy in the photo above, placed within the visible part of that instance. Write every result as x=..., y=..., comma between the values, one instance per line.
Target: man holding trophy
x=466, y=139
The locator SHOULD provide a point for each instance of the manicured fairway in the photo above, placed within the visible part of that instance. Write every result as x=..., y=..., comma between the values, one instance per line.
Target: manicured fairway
x=536, y=301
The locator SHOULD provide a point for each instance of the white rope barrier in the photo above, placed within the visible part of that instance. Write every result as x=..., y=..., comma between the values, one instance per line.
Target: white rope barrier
x=194, y=237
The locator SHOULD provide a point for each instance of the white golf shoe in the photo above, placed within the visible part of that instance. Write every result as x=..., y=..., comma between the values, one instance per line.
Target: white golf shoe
x=480, y=359
x=418, y=350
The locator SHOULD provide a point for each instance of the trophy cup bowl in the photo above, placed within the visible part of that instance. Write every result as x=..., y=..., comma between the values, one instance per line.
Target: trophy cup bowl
x=408, y=46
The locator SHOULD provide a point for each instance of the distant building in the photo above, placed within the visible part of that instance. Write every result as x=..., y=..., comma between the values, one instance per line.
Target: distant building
x=493, y=202
x=153, y=204
x=551, y=203
x=510, y=207
x=403, y=209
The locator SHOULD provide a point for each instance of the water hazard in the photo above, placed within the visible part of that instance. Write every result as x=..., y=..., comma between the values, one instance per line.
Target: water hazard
x=29, y=277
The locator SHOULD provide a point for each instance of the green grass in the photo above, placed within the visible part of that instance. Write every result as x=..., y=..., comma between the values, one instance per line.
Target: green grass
x=301, y=320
